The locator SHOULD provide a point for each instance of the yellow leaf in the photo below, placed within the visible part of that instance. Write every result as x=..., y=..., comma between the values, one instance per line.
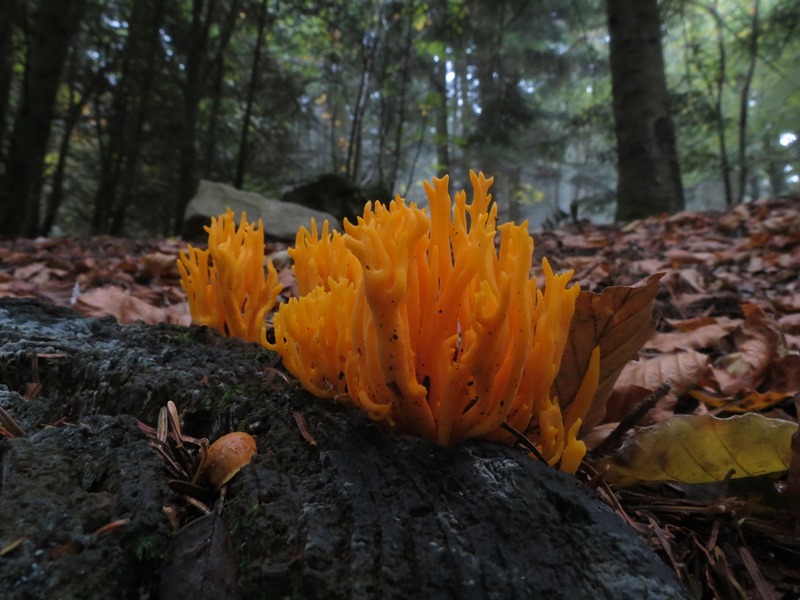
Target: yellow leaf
x=702, y=449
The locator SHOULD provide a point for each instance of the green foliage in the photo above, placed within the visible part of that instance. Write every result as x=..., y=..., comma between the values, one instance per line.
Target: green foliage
x=708, y=54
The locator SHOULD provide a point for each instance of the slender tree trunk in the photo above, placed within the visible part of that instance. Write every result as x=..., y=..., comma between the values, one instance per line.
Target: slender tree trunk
x=7, y=22
x=241, y=163
x=442, y=136
x=217, y=88
x=354, y=145
x=54, y=25
x=77, y=103
x=491, y=77
x=405, y=71
x=138, y=116
x=744, y=100
x=716, y=91
x=196, y=44
x=128, y=99
x=725, y=165
x=649, y=178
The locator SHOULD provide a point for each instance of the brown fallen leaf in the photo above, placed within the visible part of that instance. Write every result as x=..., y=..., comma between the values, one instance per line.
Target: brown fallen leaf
x=683, y=369
x=687, y=325
x=619, y=320
x=623, y=400
x=201, y=562
x=759, y=341
x=702, y=337
x=113, y=300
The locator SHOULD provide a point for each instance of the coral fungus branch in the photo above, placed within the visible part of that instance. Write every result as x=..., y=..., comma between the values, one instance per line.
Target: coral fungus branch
x=449, y=336
x=225, y=284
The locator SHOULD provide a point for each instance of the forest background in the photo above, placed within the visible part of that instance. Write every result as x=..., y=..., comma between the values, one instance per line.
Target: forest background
x=112, y=111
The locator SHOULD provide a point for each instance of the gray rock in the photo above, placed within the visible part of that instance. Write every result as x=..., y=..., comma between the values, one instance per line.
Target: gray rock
x=281, y=219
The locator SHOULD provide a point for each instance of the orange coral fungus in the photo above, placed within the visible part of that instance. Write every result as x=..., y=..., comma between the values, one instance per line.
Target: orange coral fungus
x=320, y=257
x=449, y=337
x=312, y=336
x=225, y=285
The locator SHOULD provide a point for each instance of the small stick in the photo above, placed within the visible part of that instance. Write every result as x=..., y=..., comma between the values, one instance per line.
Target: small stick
x=529, y=445
x=8, y=424
x=303, y=427
x=615, y=437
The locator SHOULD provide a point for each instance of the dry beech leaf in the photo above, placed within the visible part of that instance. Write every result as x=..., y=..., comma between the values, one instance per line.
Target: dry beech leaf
x=623, y=400
x=758, y=341
x=683, y=370
x=702, y=449
x=619, y=320
x=113, y=300
x=696, y=323
x=201, y=563
x=702, y=337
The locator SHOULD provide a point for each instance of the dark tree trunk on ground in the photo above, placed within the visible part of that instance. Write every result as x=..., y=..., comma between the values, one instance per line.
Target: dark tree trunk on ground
x=358, y=513
x=649, y=179
x=53, y=25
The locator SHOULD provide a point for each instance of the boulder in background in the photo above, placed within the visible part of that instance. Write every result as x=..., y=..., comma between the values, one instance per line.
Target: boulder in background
x=281, y=219
x=334, y=194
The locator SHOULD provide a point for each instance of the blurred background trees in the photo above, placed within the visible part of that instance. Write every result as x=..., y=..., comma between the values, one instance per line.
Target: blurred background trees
x=112, y=111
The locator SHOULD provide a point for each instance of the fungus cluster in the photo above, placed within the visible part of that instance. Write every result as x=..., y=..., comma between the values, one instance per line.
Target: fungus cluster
x=225, y=284
x=426, y=325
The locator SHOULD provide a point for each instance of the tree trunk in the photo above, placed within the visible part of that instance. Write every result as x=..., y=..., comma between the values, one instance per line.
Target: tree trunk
x=196, y=43
x=744, y=100
x=359, y=109
x=725, y=165
x=7, y=22
x=217, y=89
x=649, y=180
x=241, y=162
x=126, y=119
x=77, y=102
x=400, y=115
x=54, y=25
x=145, y=75
x=442, y=136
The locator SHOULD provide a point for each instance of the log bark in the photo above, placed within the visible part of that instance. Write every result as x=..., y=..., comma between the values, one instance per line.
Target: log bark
x=362, y=513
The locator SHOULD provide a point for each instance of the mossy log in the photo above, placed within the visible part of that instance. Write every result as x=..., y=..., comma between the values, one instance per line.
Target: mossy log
x=362, y=513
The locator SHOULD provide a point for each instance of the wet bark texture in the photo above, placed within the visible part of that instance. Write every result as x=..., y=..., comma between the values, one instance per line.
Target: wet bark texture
x=361, y=514
x=649, y=179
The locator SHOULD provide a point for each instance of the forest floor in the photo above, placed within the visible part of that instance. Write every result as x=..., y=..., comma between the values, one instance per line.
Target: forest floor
x=728, y=341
